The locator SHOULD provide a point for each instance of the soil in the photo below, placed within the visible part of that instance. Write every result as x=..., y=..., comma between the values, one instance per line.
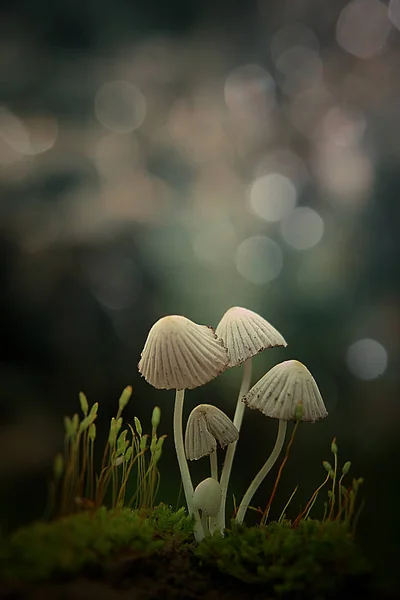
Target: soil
x=171, y=575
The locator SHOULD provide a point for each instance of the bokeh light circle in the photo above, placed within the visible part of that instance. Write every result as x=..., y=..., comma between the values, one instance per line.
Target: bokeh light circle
x=363, y=28
x=394, y=12
x=273, y=197
x=259, y=259
x=120, y=106
x=367, y=359
x=293, y=34
x=303, y=228
x=249, y=88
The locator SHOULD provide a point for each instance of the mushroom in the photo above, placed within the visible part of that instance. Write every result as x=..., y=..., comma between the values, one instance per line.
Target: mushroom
x=179, y=354
x=207, y=498
x=206, y=426
x=277, y=394
x=245, y=334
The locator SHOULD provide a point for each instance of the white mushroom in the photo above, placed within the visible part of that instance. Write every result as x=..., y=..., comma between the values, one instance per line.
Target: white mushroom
x=207, y=498
x=277, y=394
x=245, y=334
x=206, y=426
x=180, y=354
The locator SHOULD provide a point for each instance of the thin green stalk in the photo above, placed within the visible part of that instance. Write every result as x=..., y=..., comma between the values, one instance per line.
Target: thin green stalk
x=91, y=470
x=357, y=516
x=282, y=515
x=301, y=514
x=310, y=507
x=334, y=451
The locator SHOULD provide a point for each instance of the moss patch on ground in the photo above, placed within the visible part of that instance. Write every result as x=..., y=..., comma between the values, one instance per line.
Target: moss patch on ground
x=68, y=545
x=316, y=558
x=153, y=555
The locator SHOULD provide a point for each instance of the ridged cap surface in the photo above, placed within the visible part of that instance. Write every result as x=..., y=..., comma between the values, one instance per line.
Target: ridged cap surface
x=206, y=426
x=179, y=354
x=279, y=391
x=245, y=334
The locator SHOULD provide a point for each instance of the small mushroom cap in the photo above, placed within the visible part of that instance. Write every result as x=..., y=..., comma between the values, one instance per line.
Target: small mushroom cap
x=207, y=497
x=206, y=426
x=245, y=334
x=179, y=354
x=278, y=393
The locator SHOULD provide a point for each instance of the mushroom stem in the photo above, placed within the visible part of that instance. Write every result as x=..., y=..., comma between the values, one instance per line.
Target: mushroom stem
x=214, y=474
x=214, y=465
x=183, y=466
x=230, y=451
x=263, y=472
x=204, y=523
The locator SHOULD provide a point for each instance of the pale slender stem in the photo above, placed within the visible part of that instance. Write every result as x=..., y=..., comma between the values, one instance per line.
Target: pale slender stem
x=230, y=451
x=183, y=466
x=212, y=521
x=263, y=472
x=214, y=465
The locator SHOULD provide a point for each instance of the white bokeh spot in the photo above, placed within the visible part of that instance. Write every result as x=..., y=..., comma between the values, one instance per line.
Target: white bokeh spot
x=273, y=197
x=120, y=106
x=303, y=228
x=367, y=359
x=259, y=259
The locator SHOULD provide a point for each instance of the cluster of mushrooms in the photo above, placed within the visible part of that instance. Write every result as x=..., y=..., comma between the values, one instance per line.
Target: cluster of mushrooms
x=180, y=354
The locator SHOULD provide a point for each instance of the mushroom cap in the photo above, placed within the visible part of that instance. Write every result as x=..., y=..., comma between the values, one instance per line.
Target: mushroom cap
x=179, y=354
x=206, y=426
x=207, y=497
x=281, y=389
x=245, y=334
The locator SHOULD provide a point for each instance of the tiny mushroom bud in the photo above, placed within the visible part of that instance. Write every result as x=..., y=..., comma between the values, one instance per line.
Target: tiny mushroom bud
x=207, y=497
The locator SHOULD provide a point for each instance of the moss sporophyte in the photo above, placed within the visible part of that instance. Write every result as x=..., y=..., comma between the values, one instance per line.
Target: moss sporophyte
x=103, y=509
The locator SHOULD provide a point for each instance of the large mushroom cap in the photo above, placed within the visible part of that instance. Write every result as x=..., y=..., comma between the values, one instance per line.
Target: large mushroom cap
x=279, y=391
x=206, y=426
x=245, y=334
x=179, y=354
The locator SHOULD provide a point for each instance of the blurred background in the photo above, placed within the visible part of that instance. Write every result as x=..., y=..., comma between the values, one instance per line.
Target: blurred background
x=182, y=158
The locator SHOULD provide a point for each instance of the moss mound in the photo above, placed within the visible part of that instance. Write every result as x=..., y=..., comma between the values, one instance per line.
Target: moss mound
x=314, y=558
x=68, y=545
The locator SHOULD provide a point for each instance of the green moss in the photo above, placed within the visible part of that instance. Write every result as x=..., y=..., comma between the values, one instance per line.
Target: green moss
x=67, y=545
x=314, y=557
x=170, y=523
